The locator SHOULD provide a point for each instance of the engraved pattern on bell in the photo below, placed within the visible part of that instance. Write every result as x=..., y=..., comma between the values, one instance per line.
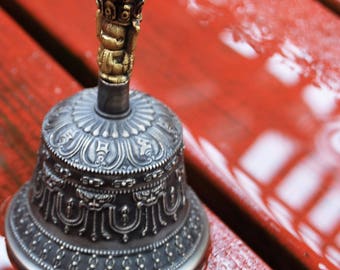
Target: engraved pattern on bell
x=50, y=252
x=87, y=141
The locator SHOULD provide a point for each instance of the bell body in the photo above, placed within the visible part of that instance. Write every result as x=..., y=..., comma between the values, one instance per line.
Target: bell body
x=108, y=192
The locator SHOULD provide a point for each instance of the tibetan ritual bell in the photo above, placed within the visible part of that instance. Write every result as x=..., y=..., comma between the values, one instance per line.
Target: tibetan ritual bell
x=109, y=190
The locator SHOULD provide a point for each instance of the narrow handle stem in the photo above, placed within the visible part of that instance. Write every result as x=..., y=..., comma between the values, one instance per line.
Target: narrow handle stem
x=112, y=99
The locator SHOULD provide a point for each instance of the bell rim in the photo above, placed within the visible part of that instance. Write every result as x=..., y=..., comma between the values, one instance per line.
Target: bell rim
x=23, y=260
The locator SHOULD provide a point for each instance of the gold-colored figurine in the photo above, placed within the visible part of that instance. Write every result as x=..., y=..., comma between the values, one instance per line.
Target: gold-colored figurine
x=118, y=25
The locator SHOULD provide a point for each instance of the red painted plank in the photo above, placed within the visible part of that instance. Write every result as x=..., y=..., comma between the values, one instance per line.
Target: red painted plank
x=30, y=83
x=256, y=83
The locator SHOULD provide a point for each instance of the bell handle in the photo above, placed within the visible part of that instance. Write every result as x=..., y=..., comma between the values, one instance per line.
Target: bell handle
x=118, y=26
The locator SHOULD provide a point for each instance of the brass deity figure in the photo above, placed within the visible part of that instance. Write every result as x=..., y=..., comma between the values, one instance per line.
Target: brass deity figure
x=118, y=25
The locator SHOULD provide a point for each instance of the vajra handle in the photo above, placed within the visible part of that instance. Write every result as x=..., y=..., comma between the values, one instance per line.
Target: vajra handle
x=118, y=25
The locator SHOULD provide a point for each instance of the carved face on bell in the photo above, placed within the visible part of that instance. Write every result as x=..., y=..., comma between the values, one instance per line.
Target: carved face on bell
x=122, y=12
x=116, y=36
x=109, y=10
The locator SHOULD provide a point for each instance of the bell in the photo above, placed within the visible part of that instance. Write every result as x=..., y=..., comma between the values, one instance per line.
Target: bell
x=109, y=190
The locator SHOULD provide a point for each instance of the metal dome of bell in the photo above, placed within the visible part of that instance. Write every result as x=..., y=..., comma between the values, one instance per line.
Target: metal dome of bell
x=109, y=190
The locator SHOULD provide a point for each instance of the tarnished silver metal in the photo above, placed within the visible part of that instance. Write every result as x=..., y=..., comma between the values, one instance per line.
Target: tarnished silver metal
x=109, y=190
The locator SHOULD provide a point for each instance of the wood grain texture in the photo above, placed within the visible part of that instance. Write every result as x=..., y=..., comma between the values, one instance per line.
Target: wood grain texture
x=255, y=82
x=30, y=83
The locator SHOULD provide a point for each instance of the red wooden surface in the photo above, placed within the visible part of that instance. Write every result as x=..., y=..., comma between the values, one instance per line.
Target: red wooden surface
x=30, y=83
x=256, y=84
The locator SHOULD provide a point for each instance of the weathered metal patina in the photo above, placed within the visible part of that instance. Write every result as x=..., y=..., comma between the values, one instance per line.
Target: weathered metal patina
x=109, y=190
